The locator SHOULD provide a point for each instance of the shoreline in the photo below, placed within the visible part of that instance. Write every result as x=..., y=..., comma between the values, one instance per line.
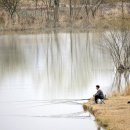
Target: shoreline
x=110, y=26
x=113, y=115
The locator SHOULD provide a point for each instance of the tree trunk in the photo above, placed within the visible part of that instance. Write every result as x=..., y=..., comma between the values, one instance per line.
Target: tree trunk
x=122, y=9
x=70, y=8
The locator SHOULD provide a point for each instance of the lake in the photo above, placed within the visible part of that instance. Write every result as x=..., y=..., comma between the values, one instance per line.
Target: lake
x=42, y=74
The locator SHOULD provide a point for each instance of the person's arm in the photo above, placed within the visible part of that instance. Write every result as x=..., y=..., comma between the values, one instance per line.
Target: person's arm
x=98, y=93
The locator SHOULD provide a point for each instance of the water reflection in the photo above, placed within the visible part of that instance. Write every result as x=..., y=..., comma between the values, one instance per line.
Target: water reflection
x=118, y=44
x=11, y=57
x=99, y=128
x=58, y=64
x=62, y=66
x=121, y=81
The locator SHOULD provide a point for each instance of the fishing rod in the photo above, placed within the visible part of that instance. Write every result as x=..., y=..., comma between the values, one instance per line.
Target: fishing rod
x=54, y=103
x=51, y=100
x=58, y=101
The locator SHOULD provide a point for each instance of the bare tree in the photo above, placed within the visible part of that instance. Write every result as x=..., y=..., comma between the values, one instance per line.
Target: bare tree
x=122, y=6
x=70, y=8
x=36, y=4
x=46, y=6
x=118, y=44
x=87, y=9
x=56, y=10
x=95, y=7
x=91, y=7
x=10, y=6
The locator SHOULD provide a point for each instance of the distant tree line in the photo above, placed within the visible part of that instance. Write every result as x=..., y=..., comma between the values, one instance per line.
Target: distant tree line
x=10, y=6
x=90, y=6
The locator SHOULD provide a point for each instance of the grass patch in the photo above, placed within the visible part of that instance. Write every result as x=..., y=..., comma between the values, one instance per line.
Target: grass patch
x=127, y=91
x=114, y=114
x=2, y=20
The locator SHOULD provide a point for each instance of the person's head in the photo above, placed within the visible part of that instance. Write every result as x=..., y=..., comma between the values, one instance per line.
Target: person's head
x=97, y=87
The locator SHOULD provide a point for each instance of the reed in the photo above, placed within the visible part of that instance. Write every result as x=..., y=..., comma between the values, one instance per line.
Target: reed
x=114, y=114
x=127, y=91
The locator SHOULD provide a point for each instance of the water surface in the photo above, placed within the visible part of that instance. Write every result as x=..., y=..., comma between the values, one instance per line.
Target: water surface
x=38, y=71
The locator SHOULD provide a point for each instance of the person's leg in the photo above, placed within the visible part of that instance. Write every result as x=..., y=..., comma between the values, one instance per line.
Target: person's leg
x=101, y=99
x=96, y=99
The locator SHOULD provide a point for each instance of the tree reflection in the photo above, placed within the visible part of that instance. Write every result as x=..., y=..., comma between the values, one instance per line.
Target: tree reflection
x=99, y=128
x=58, y=62
x=70, y=60
x=11, y=57
x=121, y=80
x=118, y=44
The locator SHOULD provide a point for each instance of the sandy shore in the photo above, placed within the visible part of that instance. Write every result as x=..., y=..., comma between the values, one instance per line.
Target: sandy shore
x=114, y=114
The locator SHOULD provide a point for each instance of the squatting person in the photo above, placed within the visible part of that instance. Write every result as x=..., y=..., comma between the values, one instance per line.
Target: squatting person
x=99, y=94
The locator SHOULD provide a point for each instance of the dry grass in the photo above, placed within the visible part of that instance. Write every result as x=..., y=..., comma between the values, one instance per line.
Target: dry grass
x=105, y=19
x=127, y=91
x=114, y=114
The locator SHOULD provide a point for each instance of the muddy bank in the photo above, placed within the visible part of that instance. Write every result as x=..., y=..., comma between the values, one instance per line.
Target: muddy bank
x=114, y=114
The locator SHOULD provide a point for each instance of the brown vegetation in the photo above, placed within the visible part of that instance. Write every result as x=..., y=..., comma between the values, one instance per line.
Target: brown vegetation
x=10, y=6
x=115, y=113
x=127, y=91
x=41, y=14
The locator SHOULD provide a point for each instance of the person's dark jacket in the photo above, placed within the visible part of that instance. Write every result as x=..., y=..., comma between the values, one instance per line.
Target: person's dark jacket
x=100, y=94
